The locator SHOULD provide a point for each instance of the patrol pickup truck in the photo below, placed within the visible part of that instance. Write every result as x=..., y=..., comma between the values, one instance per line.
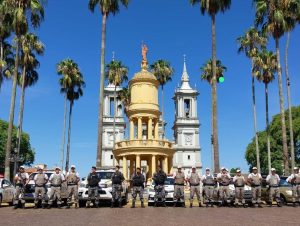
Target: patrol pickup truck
x=7, y=191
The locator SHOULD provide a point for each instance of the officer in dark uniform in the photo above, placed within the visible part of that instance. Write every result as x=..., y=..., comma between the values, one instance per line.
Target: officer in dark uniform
x=117, y=180
x=138, y=181
x=159, y=179
x=93, y=182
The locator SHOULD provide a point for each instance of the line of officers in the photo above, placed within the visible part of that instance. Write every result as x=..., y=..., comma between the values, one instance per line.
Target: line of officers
x=224, y=179
x=56, y=179
x=138, y=181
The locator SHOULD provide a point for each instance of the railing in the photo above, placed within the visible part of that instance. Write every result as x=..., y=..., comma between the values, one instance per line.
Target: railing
x=143, y=143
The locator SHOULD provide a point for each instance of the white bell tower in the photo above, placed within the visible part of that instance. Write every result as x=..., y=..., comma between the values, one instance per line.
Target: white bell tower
x=186, y=126
x=108, y=121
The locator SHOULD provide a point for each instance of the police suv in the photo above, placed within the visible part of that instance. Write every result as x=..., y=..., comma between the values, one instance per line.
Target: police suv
x=7, y=191
x=105, y=188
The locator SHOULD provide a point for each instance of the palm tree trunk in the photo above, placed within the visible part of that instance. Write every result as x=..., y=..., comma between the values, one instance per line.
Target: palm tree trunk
x=255, y=121
x=63, y=139
x=11, y=113
x=288, y=88
x=114, y=124
x=20, y=120
x=101, y=96
x=69, y=137
x=162, y=111
x=212, y=135
x=281, y=100
x=267, y=125
x=214, y=97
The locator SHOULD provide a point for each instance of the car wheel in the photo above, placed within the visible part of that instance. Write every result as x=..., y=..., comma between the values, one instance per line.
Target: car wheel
x=82, y=203
x=11, y=203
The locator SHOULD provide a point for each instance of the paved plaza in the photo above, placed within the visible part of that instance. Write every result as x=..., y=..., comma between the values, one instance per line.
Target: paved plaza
x=151, y=216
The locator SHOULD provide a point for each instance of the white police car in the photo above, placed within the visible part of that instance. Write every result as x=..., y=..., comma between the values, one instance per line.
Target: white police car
x=169, y=189
x=7, y=191
x=105, y=188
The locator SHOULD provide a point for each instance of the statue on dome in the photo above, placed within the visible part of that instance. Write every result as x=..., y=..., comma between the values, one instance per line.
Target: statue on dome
x=144, y=56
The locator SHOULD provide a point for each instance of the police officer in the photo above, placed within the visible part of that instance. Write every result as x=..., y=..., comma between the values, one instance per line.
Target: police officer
x=138, y=181
x=294, y=179
x=56, y=179
x=117, y=180
x=40, y=180
x=72, y=179
x=179, y=179
x=194, y=181
x=159, y=179
x=239, y=184
x=21, y=179
x=93, y=182
x=255, y=179
x=208, y=181
x=273, y=180
x=224, y=180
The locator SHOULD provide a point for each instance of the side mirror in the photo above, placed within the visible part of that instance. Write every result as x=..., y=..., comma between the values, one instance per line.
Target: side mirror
x=5, y=186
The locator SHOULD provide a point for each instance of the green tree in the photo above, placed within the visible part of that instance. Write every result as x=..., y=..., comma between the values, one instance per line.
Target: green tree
x=71, y=84
x=265, y=66
x=30, y=47
x=212, y=8
x=163, y=72
x=24, y=13
x=107, y=7
x=276, y=144
x=276, y=18
x=251, y=43
x=26, y=151
x=116, y=73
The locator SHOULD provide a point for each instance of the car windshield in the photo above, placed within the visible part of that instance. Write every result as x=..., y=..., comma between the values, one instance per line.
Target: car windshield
x=105, y=175
x=169, y=181
x=284, y=183
x=33, y=174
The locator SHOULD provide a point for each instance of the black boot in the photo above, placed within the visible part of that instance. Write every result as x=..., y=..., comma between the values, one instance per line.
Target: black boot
x=142, y=204
x=294, y=204
x=244, y=205
x=15, y=206
x=133, y=204
x=112, y=205
x=120, y=205
x=200, y=205
x=191, y=205
x=183, y=205
x=23, y=205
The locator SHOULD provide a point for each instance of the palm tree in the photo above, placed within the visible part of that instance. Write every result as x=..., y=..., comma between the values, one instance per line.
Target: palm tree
x=265, y=66
x=71, y=84
x=125, y=96
x=22, y=12
x=277, y=17
x=107, y=7
x=67, y=70
x=30, y=45
x=212, y=7
x=116, y=73
x=163, y=72
x=250, y=44
x=294, y=16
x=5, y=47
x=207, y=75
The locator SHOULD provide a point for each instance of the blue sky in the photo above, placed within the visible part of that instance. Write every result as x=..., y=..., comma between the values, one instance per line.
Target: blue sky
x=170, y=29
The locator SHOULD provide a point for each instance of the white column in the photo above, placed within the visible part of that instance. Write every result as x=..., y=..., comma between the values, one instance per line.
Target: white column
x=125, y=167
x=196, y=107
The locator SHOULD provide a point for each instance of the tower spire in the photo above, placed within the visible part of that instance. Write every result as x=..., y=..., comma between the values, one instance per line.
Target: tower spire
x=185, y=77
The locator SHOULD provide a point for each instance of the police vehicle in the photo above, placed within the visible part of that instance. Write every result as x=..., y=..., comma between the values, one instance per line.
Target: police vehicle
x=7, y=191
x=105, y=188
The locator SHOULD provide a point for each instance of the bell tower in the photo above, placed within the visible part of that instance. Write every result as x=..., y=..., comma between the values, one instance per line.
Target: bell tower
x=186, y=126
